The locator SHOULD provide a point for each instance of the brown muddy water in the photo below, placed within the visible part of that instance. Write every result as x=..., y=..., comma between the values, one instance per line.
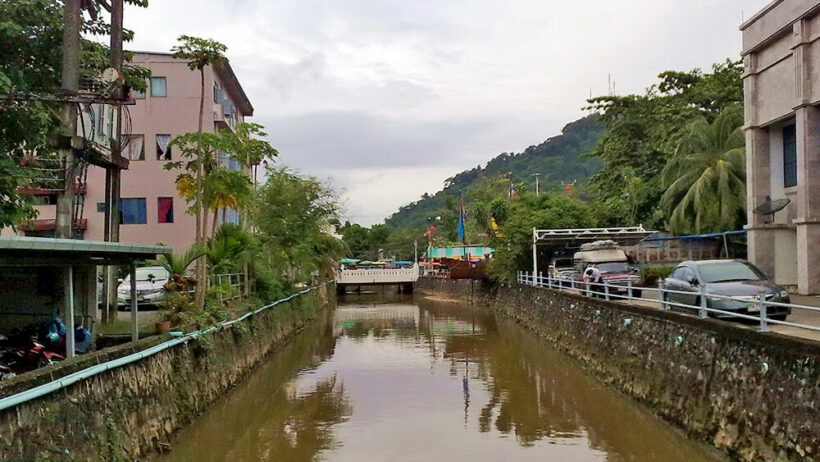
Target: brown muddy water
x=388, y=378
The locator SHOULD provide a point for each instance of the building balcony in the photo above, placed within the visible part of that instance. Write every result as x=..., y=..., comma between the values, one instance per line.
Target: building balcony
x=49, y=225
x=40, y=191
x=222, y=120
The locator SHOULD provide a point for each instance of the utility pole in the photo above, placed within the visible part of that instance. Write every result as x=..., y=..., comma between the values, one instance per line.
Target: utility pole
x=70, y=83
x=536, y=175
x=64, y=222
x=113, y=174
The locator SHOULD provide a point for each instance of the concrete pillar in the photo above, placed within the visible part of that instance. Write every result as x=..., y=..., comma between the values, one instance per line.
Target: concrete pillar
x=808, y=199
x=758, y=184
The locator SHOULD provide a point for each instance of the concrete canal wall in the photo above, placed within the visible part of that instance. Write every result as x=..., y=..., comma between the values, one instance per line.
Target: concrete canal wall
x=131, y=411
x=756, y=396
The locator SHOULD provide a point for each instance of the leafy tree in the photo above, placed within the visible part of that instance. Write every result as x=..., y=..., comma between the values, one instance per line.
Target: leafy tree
x=644, y=131
x=227, y=189
x=514, y=242
x=200, y=53
x=247, y=145
x=31, y=63
x=292, y=214
x=706, y=179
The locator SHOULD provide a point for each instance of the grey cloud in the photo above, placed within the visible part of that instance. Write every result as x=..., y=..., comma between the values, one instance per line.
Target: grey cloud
x=348, y=140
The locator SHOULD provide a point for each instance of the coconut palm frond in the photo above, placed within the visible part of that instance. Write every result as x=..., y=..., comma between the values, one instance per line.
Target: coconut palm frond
x=705, y=179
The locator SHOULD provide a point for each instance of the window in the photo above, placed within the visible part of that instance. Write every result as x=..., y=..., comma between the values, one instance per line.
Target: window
x=165, y=210
x=163, y=150
x=42, y=200
x=158, y=89
x=135, y=149
x=132, y=211
x=789, y=156
x=678, y=273
x=100, y=207
x=730, y=271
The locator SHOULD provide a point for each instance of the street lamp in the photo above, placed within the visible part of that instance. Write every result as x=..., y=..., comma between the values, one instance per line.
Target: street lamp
x=536, y=175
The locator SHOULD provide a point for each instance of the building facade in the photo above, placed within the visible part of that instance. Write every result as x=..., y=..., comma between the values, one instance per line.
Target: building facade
x=152, y=211
x=781, y=84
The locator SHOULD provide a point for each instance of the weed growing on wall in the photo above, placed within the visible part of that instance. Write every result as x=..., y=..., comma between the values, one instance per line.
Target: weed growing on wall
x=242, y=331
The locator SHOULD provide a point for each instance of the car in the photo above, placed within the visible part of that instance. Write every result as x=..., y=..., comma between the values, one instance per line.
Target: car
x=151, y=282
x=730, y=278
x=613, y=264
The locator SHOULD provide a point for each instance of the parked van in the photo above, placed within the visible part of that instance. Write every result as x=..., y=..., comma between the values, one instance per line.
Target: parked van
x=613, y=263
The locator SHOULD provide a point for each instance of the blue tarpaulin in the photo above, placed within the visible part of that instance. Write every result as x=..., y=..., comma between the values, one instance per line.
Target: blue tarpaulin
x=696, y=236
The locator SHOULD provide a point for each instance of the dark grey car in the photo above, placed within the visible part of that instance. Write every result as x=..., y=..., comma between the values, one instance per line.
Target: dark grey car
x=733, y=278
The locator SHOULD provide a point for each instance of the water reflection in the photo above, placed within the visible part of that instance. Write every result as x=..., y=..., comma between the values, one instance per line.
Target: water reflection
x=399, y=379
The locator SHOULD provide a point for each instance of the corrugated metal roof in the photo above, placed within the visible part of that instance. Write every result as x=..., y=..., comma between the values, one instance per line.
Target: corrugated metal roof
x=41, y=244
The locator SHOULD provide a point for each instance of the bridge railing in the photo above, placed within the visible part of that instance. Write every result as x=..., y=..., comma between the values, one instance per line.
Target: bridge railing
x=757, y=308
x=377, y=275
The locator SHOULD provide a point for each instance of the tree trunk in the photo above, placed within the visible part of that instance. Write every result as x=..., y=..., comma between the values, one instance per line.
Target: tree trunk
x=213, y=229
x=201, y=214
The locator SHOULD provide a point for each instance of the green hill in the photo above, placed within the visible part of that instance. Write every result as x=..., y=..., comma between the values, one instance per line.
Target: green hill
x=558, y=159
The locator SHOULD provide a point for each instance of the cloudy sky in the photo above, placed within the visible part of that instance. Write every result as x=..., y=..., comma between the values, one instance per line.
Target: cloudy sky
x=387, y=98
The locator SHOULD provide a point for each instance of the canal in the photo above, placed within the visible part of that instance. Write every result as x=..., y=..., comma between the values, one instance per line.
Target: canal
x=402, y=378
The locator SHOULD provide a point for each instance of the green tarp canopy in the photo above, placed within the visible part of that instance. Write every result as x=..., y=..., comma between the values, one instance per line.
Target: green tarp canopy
x=348, y=261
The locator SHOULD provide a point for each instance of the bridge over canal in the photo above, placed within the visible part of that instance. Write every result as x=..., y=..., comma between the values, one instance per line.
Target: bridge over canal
x=358, y=278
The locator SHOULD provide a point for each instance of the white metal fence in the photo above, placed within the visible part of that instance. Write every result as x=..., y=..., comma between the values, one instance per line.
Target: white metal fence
x=235, y=280
x=756, y=307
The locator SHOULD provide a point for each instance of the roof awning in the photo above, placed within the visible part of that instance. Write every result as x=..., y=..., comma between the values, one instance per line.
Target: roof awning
x=624, y=236
x=43, y=251
x=462, y=251
x=697, y=236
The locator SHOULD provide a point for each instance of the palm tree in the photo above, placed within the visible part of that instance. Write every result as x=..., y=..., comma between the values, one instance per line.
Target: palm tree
x=178, y=264
x=228, y=246
x=706, y=178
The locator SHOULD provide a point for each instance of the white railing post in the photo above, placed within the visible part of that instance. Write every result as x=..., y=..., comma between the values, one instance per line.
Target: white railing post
x=549, y=280
x=541, y=279
x=560, y=283
x=703, y=313
x=661, y=302
x=606, y=290
x=629, y=291
x=572, y=283
x=764, y=321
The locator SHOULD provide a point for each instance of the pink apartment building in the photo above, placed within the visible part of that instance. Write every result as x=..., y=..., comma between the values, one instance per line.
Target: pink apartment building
x=152, y=210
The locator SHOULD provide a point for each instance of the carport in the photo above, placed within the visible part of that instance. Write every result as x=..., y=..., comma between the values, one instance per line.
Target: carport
x=42, y=277
x=574, y=237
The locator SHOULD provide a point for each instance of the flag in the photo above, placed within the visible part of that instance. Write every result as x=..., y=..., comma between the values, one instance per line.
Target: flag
x=512, y=189
x=462, y=222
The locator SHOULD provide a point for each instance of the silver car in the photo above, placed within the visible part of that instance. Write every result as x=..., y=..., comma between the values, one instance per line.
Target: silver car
x=151, y=282
x=727, y=278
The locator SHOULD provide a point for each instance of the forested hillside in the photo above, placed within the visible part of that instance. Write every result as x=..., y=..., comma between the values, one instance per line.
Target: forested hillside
x=558, y=159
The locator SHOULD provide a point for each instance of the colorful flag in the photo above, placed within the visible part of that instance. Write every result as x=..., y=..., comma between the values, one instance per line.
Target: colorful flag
x=462, y=222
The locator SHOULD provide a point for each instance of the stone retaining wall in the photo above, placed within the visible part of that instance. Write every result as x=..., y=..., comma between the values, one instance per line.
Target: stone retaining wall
x=132, y=411
x=755, y=396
